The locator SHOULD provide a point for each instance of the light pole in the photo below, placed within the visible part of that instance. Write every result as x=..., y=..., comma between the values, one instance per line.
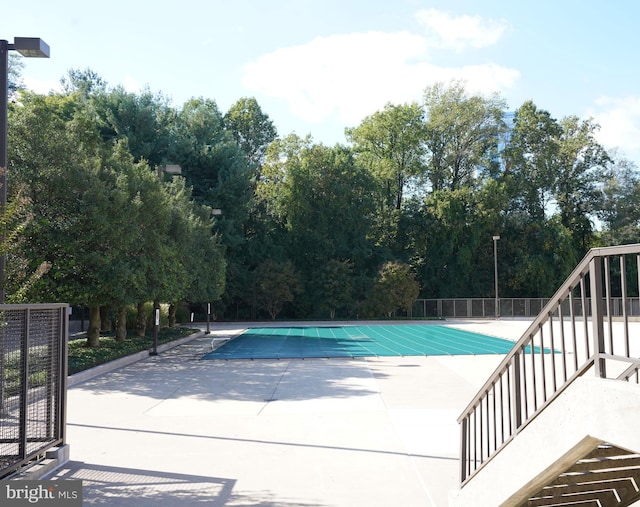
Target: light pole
x=30, y=47
x=495, y=273
x=216, y=212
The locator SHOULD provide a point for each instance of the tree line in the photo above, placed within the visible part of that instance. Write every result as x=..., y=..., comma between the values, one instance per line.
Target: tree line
x=263, y=225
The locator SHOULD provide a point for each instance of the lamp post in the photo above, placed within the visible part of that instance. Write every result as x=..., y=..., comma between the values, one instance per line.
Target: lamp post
x=495, y=266
x=156, y=327
x=30, y=47
x=216, y=212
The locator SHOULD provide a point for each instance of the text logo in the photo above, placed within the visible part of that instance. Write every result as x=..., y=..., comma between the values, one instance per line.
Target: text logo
x=44, y=493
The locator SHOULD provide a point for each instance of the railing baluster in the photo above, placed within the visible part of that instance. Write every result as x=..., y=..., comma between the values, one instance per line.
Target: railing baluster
x=494, y=425
x=585, y=316
x=638, y=271
x=608, y=300
x=481, y=430
x=463, y=450
x=512, y=395
x=625, y=316
x=542, y=361
x=525, y=394
x=553, y=354
x=532, y=351
x=574, y=332
x=487, y=423
x=502, y=407
x=595, y=275
x=564, y=344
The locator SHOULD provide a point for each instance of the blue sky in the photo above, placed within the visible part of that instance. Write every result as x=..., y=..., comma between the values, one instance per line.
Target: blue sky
x=318, y=66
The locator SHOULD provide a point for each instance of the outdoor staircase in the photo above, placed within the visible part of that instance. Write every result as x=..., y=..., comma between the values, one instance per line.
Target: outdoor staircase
x=557, y=423
x=608, y=476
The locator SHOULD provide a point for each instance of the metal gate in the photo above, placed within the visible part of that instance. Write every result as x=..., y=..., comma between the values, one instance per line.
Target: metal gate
x=33, y=382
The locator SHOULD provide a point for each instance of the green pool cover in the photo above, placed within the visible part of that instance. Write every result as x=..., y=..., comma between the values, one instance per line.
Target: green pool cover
x=358, y=341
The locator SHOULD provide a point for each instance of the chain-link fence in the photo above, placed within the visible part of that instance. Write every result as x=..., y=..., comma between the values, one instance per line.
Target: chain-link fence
x=33, y=373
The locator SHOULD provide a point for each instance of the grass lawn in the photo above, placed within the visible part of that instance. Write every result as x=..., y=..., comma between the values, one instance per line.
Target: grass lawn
x=82, y=357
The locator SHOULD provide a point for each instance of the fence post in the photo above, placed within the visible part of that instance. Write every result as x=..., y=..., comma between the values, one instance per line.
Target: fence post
x=3, y=344
x=517, y=393
x=63, y=372
x=597, y=315
x=24, y=387
x=463, y=449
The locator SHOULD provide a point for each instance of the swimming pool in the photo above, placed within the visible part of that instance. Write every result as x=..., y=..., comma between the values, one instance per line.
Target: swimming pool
x=358, y=341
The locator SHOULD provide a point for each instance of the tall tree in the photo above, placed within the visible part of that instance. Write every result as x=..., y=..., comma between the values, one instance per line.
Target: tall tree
x=276, y=283
x=14, y=77
x=59, y=163
x=620, y=209
x=394, y=289
x=323, y=200
x=532, y=160
x=251, y=128
x=221, y=177
x=390, y=144
x=452, y=242
x=145, y=119
x=581, y=165
x=462, y=134
x=86, y=82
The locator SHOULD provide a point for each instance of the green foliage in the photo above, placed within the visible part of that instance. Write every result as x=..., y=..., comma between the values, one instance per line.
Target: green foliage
x=82, y=357
x=15, y=65
x=303, y=227
x=323, y=202
x=39, y=362
x=275, y=285
x=251, y=128
x=620, y=209
x=532, y=159
x=461, y=136
x=108, y=230
x=336, y=283
x=390, y=143
x=394, y=289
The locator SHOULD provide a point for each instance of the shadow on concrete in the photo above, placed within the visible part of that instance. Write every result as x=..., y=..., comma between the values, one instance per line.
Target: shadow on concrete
x=176, y=376
x=116, y=486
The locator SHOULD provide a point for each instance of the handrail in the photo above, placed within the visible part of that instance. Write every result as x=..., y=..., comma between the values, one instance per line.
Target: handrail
x=554, y=350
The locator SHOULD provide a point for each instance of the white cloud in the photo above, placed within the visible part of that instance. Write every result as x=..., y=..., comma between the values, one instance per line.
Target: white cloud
x=619, y=119
x=340, y=75
x=446, y=31
x=131, y=85
x=353, y=75
x=41, y=87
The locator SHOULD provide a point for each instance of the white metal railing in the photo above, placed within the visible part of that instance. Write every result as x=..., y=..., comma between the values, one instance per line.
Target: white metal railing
x=576, y=332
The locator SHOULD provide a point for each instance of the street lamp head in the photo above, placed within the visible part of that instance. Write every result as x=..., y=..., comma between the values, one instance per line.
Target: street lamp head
x=496, y=238
x=31, y=47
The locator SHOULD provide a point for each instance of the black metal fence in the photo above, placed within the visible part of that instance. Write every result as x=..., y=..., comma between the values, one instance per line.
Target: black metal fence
x=478, y=308
x=33, y=382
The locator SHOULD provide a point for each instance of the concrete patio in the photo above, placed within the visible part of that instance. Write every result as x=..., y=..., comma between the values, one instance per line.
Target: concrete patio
x=175, y=430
